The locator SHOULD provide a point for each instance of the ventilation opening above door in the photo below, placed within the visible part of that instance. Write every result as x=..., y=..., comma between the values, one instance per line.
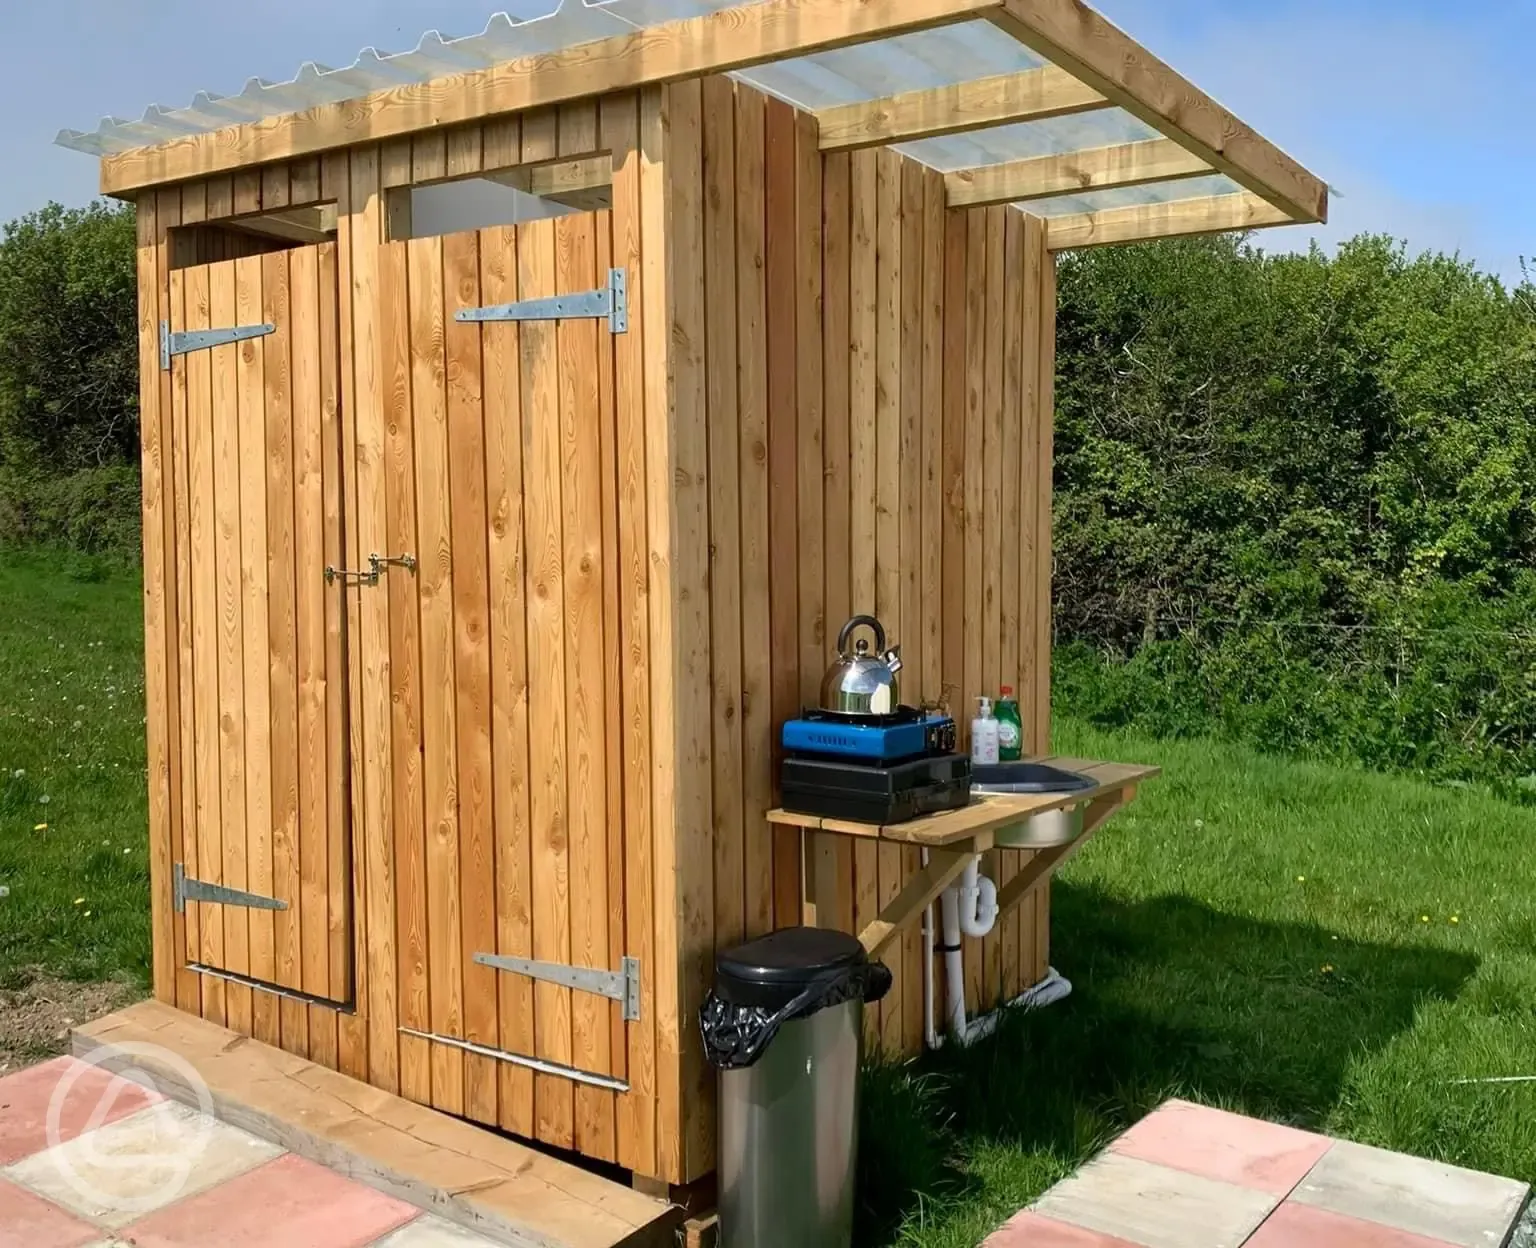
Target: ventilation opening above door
x=510, y=196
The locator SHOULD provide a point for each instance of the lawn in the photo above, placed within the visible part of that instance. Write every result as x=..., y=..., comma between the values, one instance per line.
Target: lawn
x=1310, y=944
x=73, y=844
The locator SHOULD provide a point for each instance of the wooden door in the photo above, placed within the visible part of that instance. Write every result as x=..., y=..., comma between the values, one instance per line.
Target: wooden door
x=266, y=880
x=504, y=663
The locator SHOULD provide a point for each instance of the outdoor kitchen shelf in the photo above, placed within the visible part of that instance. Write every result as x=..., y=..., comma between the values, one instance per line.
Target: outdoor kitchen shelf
x=952, y=838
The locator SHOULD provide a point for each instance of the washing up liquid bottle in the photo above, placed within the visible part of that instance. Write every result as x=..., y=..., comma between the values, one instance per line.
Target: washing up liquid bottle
x=1010, y=728
x=983, y=733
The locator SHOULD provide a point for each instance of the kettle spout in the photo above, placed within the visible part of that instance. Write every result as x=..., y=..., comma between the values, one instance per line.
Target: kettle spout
x=892, y=658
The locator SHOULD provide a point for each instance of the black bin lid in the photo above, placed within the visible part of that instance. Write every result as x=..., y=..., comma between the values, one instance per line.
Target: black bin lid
x=773, y=970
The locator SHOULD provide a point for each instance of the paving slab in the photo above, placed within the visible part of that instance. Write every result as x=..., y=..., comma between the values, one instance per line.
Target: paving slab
x=1301, y=1226
x=289, y=1201
x=1028, y=1229
x=76, y=1096
x=117, y=1174
x=1220, y=1145
x=1429, y=1198
x=429, y=1231
x=1156, y=1206
x=29, y=1221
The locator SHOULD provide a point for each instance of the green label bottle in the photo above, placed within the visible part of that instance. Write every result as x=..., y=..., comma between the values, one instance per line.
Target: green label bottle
x=1010, y=728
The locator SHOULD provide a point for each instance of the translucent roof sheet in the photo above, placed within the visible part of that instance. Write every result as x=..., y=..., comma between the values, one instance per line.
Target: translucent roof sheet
x=940, y=57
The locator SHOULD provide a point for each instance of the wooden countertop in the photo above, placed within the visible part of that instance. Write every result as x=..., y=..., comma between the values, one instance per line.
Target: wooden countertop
x=985, y=813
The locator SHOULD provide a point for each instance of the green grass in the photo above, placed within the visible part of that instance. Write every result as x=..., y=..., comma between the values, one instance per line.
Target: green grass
x=1308, y=944
x=1198, y=929
x=73, y=841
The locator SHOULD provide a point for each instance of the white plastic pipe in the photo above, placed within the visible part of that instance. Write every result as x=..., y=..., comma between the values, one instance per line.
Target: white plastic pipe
x=978, y=901
x=968, y=909
x=931, y=1036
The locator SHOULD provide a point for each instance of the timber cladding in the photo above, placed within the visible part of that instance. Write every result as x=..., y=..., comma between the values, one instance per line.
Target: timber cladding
x=555, y=737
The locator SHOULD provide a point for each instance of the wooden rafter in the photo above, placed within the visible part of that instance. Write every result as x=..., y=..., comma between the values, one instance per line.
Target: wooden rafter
x=1039, y=177
x=1073, y=36
x=727, y=39
x=1031, y=95
x=1211, y=214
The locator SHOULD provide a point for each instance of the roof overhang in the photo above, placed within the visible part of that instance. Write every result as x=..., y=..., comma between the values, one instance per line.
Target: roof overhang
x=1037, y=102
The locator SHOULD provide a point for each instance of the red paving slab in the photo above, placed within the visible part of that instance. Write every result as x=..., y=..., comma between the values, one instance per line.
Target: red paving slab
x=1214, y=1144
x=28, y=1221
x=1301, y=1226
x=283, y=1204
x=1031, y=1230
x=91, y=1098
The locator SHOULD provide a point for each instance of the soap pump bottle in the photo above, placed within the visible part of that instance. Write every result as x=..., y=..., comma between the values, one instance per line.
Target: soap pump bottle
x=984, y=739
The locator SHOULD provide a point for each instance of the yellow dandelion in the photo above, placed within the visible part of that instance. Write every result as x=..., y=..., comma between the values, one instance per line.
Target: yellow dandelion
x=1455, y=918
x=87, y=914
x=40, y=827
x=1327, y=968
x=1423, y=918
x=1301, y=879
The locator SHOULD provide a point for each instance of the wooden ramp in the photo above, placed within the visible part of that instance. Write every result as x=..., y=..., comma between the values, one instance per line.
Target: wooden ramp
x=483, y=1181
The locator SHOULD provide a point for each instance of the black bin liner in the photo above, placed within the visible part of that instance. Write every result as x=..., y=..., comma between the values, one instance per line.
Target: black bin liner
x=788, y=974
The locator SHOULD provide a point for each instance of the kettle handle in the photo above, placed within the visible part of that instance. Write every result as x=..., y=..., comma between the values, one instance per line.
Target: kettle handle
x=847, y=631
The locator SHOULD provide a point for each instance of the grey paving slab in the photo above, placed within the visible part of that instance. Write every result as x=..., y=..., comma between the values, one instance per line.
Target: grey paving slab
x=1430, y=1198
x=429, y=1231
x=1155, y=1206
x=120, y=1172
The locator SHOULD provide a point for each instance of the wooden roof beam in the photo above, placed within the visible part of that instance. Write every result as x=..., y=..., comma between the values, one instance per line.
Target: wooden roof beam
x=1211, y=214
x=726, y=39
x=1069, y=173
x=1071, y=35
x=1030, y=95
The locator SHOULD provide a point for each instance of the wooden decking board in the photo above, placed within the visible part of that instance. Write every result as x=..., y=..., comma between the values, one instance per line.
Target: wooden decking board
x=482, y=1181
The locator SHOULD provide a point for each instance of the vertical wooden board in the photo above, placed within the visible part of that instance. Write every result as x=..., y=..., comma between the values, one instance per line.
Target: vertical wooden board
x=992, y=532
x=888, y=500
x=1043, y=563
x=216, y=197
x=582, y=581
x=161, y=656
x=434, y=578
x=726, y=570
x=395, y=159
x=323, y=842
x=586, y=657
x=620, y=121
x=931, y=439
x=837, y=572
x=238, y=401
x=691, y=913
x=783, y=460
x=909, y=536
x=863, y=500
x=354, y=1029
x=429, y=156
x=952, y=472
x=544, y=542
x=304, y=181
x=267, y=552
x=475, y=985
x=247, y=192
x=975, y=511
x=464, y=152
x=311, y=924
x=398, y=365
x=371, y=704
x=809, y=400
x=613, y=643
x=502, y=399
x=757, y=709
x=501, y=142
x=540, y=135
x=200, y=288
x=274, y=186
x=1010, y=933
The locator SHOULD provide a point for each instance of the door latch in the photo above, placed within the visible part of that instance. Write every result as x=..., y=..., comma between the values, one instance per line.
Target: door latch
x=377, y=566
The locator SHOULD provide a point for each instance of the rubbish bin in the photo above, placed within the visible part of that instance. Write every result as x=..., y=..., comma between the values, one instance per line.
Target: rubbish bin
x=785, y=1027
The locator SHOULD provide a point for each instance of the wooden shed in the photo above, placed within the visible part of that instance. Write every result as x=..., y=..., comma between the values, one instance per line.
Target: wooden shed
x=522, y=415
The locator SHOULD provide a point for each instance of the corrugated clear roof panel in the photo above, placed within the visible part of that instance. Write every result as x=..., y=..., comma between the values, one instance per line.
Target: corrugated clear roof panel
x=1024, y=139
x=1132, y=196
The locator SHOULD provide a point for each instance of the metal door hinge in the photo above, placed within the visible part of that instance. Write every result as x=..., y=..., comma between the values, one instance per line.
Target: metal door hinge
x=185, y=889
x=187, y=340
x=611, y=301
x=622, y=985
x=377, y=566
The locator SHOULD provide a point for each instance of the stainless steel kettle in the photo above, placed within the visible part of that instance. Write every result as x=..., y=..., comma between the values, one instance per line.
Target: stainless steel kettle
x=860, y=683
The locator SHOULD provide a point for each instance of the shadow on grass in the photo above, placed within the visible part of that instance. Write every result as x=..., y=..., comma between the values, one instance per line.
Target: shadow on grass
x=1171, y=998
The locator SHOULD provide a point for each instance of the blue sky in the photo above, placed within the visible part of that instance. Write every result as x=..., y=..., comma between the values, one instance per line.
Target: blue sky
x=1419, y=113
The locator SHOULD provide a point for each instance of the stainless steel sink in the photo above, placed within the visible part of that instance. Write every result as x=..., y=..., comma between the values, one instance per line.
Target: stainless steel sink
x=1048, y=829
